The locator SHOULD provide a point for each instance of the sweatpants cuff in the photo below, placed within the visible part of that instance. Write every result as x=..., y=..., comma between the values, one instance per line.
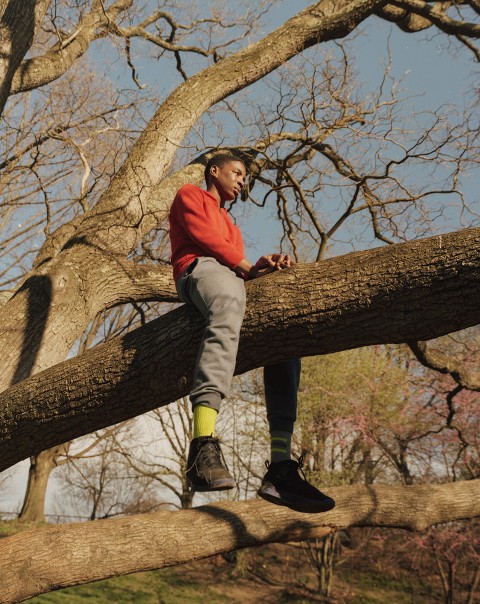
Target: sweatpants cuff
x=212, y=400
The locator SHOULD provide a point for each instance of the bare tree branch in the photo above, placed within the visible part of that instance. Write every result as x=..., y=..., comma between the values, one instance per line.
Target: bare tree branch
x=444, y=363
x=42, y=70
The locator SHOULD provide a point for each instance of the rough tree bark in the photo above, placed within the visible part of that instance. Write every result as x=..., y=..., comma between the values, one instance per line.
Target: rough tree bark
x=416, y=290
x=61, y=556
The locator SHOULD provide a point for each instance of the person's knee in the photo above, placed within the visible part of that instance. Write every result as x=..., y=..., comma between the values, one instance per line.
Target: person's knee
x=214, y=286
x=232, y=295
x=229, y=305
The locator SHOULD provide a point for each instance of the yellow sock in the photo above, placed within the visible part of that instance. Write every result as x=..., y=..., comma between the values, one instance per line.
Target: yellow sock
x=204, y=421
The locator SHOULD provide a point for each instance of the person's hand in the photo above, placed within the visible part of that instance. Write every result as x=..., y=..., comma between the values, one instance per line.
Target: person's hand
x=275, y=261
x=256, y=271
x=283, y=260
x=270, y=264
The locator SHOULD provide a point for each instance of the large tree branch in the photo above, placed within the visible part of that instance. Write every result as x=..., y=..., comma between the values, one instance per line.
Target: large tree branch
x=38, y=71
x=59, y=307
x=436, y=15
x=400, y=293
x=35, y=338
x=19, y=20
x=47, y=559
x=135, y=201
x=121, y=210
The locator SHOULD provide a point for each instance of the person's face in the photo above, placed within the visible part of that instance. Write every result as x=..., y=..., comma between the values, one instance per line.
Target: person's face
x=228, y=180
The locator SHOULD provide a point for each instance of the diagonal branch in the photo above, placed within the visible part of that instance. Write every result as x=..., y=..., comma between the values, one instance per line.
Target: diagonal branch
x=38, y=71
x=388, y=295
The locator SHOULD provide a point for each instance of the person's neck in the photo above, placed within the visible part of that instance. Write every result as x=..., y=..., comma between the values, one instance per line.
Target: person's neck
x=214, y=193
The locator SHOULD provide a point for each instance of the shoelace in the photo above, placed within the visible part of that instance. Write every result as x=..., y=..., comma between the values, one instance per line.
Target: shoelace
x=299, y=463
x=300, y=466
x=211, y=454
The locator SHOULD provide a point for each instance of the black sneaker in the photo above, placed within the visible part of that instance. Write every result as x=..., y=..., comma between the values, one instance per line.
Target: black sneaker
x=206, y=467
x=283, y=485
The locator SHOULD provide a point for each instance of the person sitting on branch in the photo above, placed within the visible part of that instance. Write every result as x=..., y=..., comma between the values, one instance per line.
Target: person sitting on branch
x=210, y=269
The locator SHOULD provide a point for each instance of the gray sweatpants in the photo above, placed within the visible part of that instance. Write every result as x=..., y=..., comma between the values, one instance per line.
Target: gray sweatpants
x=219, y=295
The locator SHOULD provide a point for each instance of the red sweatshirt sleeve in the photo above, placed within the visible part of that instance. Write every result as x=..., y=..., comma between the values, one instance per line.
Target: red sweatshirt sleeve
x=207, y=226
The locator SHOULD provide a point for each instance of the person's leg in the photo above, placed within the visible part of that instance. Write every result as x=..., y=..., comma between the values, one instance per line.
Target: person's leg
x=281, y=382
x=204, y=417
x=282, y=484
x=220, y=296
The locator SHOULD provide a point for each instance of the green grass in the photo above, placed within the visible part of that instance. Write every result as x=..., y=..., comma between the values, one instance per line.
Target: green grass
x=157, y=587
x=12, y=527
x=377, y=588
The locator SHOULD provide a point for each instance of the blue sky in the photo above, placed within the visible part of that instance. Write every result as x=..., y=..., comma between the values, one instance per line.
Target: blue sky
x=434, y=73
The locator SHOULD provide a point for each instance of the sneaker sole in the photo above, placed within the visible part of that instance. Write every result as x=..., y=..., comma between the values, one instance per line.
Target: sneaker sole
x=218, y=485
x=304, y=507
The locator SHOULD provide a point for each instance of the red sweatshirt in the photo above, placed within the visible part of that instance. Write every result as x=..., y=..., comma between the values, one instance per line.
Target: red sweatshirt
x=199, y=227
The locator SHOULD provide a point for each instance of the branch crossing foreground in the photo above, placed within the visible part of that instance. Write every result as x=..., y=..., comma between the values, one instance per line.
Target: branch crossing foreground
x=47, y=559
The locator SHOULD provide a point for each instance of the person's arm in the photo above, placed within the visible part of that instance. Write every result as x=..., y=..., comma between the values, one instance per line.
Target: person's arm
x=265, y=265
x=250, y=270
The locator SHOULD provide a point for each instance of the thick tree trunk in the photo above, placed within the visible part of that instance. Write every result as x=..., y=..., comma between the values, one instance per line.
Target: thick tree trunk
x=51, y=311
x=417, y=290
x=47, y=559
x=123, y=281
x=41, y=466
